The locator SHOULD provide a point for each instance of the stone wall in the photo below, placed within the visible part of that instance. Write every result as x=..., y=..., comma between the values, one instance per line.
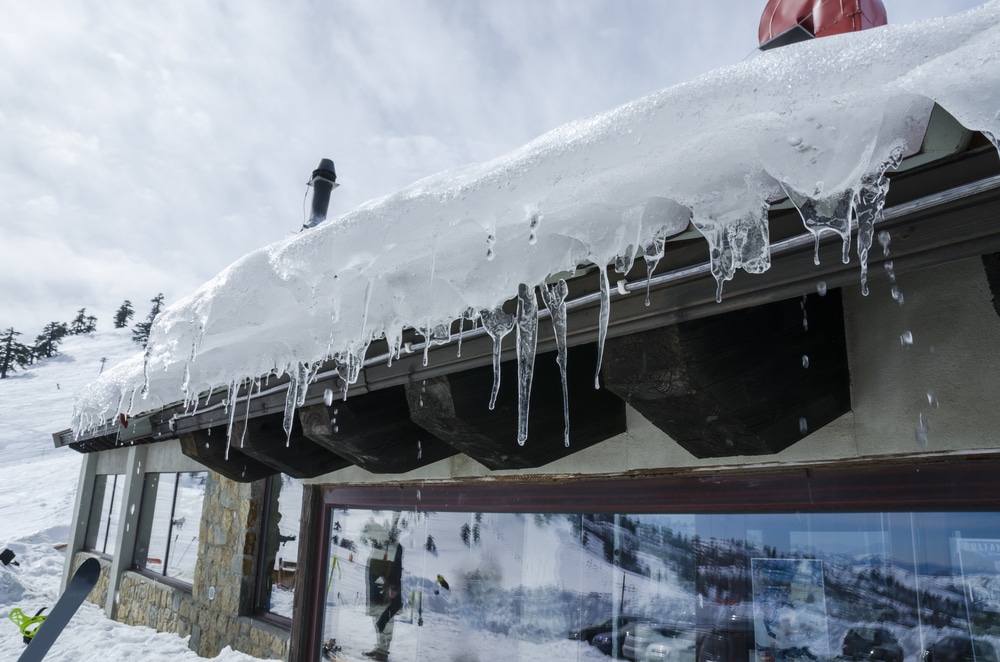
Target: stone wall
x=99, y=594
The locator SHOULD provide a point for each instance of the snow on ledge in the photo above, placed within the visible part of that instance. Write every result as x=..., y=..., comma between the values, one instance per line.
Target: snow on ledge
x=818, y=121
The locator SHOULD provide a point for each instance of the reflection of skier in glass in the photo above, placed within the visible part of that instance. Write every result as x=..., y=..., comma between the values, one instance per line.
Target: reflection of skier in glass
x=385, y=574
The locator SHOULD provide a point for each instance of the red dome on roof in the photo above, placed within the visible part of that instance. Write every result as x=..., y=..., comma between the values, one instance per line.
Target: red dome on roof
x=821, y=18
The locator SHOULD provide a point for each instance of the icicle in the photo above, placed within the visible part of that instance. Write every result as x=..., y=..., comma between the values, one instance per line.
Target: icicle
x=602, y=328
x=527, y=341
x=186, y=382
x=670, y=219
x=740, y=243
x=440, y=334
x=832, y=212
x=870, y=204
x=292, y=397
x=497, y=324
x=652, y=253
x=246, y=416
x=234, y=389
x=554, y=297
x=471, y=315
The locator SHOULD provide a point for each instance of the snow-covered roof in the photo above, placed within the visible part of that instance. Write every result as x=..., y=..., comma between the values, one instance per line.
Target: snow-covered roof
x=818, y=122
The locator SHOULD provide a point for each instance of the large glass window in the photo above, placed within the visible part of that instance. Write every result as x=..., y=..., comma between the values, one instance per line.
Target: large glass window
x=889, y=586
x=105, y=508
x=280, y=546
x=167, y=539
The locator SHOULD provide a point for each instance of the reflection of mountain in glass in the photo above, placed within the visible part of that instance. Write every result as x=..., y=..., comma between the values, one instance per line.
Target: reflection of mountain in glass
x=473, y=582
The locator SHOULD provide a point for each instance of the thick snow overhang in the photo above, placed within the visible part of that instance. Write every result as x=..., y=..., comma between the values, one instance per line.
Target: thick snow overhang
x=374, y=304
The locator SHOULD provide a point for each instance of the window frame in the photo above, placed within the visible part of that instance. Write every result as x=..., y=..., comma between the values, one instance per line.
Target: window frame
x=953, y=483
x=145, y=523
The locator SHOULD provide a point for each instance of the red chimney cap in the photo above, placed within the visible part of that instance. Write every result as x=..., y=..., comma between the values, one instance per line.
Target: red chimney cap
x=821, y=18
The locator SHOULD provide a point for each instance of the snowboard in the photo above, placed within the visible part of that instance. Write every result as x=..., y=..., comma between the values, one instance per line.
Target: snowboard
x=79, y=587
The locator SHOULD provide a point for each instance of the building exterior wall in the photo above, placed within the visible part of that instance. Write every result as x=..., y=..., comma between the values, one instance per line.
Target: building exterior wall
x=216, y=611
x=954, y=355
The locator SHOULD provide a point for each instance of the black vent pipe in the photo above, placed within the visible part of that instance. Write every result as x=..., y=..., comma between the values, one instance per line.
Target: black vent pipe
x=323, y=181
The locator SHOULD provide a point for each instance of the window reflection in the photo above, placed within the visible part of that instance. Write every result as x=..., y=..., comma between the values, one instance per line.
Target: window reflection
x=102, y=526
x=280, y=549
x=169, y=523
x=891, y=587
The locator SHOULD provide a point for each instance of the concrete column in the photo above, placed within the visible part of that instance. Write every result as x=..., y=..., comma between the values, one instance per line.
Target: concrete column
x=81, y=514
x=128, y=521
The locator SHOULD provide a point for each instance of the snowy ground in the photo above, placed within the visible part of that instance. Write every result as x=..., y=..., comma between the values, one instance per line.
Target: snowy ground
x=36, y=503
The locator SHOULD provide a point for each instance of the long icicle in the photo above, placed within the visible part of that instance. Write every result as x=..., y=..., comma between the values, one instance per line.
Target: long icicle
x=554, y=297
x=527, y=342
x=602, y=329
x=497, y=324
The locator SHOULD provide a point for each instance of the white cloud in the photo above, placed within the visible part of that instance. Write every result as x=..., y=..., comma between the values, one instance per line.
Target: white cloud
x=147, y=146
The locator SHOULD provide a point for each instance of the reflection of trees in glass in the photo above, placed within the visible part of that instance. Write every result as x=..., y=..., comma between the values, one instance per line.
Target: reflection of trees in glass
x=430, y=545
x=463, y=533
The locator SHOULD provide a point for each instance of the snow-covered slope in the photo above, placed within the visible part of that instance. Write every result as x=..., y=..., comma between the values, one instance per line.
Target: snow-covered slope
x=36, y=502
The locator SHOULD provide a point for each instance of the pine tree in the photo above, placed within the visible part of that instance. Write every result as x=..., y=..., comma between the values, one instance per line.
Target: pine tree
x=124, y=314
x=13, y=355
x=83, y=323
x=140, y=333
x=47, y=344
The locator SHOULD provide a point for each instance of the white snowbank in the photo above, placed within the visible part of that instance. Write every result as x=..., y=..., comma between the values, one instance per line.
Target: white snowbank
x=36, y=508
x=821, y=119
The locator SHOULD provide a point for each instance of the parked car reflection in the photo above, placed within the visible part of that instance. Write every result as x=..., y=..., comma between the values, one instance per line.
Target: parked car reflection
x=587, y=633
x=961, y=648
x=872, y=643
x=669, y=635
x=611, y=643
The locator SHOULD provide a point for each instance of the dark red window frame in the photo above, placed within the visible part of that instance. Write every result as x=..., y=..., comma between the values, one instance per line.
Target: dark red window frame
x=947, y=483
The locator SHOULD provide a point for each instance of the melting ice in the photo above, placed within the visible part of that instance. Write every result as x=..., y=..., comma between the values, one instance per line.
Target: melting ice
x=820, y=122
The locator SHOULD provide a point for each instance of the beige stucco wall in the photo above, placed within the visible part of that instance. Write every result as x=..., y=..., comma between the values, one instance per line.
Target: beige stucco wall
x=956, y=352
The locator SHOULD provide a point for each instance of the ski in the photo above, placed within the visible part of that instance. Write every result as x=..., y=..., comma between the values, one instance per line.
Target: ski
x=79, y=587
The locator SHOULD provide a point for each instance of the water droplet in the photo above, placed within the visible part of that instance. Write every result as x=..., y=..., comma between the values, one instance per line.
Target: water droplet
x=897, y=295
x=421, y=403
x=890, y=271
x=884, y=239
x=328, y=397
x=118, y=597
x=803, y=425
x=489, y=254
x=532, y=239
x=805, y=361
x=206, y=444
x=211, y=592
x=131, y=509
x=418, y=495
x=336, y=429
x=923, y=425
x=932, y=398
x=127, y=527
x=821, y=288
x=906, y=339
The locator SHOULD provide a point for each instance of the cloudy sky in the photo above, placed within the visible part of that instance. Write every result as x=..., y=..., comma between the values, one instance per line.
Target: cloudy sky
x=145, y=146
